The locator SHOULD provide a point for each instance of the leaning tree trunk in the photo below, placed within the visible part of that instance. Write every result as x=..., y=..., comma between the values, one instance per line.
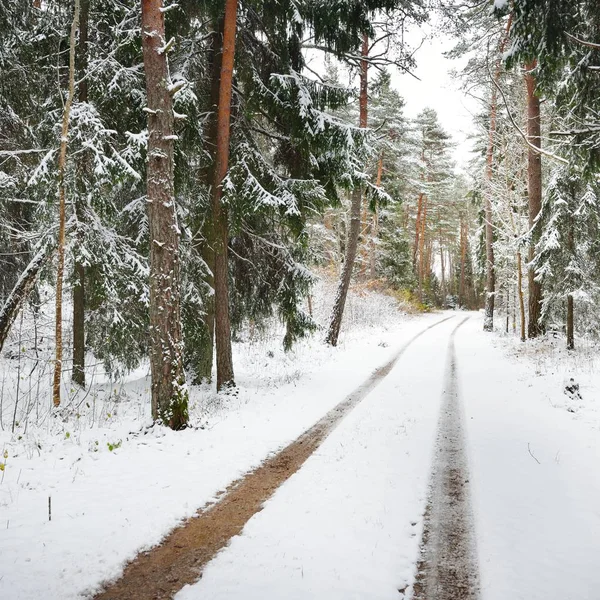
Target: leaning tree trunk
x=354, y=230
x=62, y=164
x=169, y=393
x=78, y=376
x=25, y=284
x=225, y=377
x=534, y=190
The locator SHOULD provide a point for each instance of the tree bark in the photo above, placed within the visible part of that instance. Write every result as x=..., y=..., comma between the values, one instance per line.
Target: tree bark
x=422, y=248
x=62, y=163
x=444, y=293
x=570, y=307
x=570, y=323
x=169, y=392
x=225, y=376
x=463, y=255
x=417, y=231
x=204, y=357
x=375, y=224
x=534, y=189
x=337, y=314
x=78, y=376
x=490, y=278
x=520, y=292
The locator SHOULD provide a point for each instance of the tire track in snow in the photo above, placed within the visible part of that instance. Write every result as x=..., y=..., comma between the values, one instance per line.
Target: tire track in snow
x=178, y=561
x=447, y=569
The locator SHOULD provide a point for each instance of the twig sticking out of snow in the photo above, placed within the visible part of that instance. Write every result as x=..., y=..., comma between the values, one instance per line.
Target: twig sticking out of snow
x=532, y=455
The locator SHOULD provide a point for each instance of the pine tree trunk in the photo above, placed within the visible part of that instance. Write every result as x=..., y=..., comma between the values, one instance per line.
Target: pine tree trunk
x=417, y=232
x=205, y=355
x=490, y=267
x=78, y=376
x=169, y=393
x=225, y=377
x=62, y=164
x=507, y=307
x=375, y=224
x=203, y=369
x=570, y=307
x=422, y=248
x=451, y=278
x=520, y=292
x=534, y=189
x=463, y=255
x=444, y=293
x=570, y=329
x=337, y=314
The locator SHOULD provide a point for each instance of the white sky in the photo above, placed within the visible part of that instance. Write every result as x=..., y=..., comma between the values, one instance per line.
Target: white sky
x=438, y=90
x=435, y=88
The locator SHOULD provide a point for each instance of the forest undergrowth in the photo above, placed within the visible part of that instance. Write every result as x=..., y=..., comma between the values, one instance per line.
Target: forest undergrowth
x=115, y=406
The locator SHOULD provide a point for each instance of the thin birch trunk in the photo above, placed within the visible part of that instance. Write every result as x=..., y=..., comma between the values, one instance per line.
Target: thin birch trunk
x=62, y=164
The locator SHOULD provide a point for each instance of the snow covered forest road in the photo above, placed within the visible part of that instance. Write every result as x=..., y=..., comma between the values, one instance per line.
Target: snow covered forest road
x=349, y=523
x=448, y=567
x=348, y=519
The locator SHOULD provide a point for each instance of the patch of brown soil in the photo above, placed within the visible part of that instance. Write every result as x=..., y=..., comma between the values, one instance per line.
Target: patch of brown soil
x=162, y=571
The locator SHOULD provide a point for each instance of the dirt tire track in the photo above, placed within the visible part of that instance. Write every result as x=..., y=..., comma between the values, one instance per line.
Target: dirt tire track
x=161, y=572
x=447, y=569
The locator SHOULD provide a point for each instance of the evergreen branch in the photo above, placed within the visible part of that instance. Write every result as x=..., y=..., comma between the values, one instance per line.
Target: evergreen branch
x=583, y=42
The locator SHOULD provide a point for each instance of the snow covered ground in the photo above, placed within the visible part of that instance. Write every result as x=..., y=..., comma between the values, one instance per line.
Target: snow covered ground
x=117, y=487
x=348, y=523
x=534, y=470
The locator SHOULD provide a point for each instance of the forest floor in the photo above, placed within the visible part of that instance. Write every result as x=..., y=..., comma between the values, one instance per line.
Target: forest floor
x=341, y=467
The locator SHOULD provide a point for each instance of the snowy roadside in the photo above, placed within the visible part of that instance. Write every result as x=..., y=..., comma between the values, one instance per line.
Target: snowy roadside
x=534, y=474
x=117, y=488
x=549, y=368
